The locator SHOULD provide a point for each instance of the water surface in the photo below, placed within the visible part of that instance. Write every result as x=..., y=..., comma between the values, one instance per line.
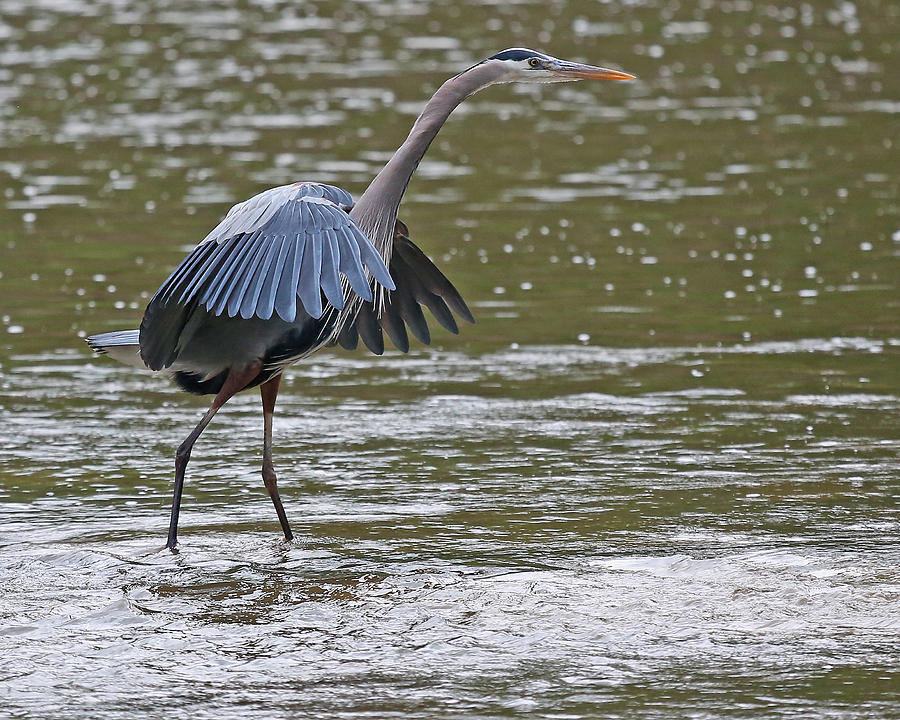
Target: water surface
x=658, y=477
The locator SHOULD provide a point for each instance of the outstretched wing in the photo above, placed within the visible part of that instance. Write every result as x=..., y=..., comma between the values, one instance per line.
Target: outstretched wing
x=286, y=244
x=418, y=283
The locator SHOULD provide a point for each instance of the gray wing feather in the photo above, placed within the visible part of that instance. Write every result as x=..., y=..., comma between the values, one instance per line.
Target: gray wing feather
x=319, y=222
x=351, y=265
x=331, y=280
x=288, y=242
x=280, y=295
x=431, y=279
x=186, y=273
x=216, y=297
x=348, y=337
x=188, y=269
x=239, y=290
x=439, y=309
x=310, y=273
x=404, y=300
x=286, y=294
x=371, y=259
x=306, y=218
x=265, y=294
x=396, y=330
x=369, y=330
x=203, y=273
x=246, y=302
x=212, y=269
x=418, y=283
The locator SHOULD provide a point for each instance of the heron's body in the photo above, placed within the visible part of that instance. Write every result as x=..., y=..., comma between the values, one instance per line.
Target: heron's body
x=300, y=267
x=205, y=346
x=271, y=341
x=221, y=343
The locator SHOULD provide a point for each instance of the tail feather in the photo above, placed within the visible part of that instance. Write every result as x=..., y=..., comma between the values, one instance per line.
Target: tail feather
x=121, y=345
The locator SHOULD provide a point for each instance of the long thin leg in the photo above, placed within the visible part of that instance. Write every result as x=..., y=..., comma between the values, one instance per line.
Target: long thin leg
x=269, y=391
x=235, y=382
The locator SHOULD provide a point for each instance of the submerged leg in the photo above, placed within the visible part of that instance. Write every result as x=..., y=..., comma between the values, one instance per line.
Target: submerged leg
x=269, y=391
x=235, y=382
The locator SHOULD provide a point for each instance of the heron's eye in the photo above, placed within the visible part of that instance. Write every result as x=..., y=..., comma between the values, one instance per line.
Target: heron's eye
x=534, y=62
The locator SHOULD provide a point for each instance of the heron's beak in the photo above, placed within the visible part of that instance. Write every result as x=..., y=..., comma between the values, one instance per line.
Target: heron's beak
x=565, y=70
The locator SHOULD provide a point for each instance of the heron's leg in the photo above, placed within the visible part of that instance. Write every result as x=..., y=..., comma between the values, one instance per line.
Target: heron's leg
x=236, y=381
x=269, y=391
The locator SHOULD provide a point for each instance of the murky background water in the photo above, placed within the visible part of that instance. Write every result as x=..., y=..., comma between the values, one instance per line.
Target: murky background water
x=659, y=478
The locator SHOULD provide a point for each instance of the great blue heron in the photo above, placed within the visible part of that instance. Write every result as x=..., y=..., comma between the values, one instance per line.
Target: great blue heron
x=228, y=317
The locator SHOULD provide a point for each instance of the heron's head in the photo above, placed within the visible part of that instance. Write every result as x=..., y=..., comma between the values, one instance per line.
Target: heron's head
x=524, y=65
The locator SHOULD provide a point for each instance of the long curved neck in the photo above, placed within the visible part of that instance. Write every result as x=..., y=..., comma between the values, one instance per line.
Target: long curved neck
x=376, y=210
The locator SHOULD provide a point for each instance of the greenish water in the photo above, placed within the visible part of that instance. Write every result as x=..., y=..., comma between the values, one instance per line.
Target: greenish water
x=658, y=478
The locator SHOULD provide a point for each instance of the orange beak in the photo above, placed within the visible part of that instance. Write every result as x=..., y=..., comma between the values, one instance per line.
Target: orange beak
x=577, y=71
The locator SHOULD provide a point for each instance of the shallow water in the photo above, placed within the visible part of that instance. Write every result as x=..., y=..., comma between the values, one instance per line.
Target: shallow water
x=658, y=478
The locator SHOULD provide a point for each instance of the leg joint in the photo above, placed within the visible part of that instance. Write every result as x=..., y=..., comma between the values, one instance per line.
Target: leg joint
x=183, y=453
x=269, y=478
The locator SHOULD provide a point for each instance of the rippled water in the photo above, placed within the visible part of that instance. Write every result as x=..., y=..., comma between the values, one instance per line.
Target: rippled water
x=658, y=478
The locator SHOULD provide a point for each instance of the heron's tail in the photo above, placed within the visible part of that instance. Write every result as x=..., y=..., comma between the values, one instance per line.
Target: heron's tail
x=121, y=345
